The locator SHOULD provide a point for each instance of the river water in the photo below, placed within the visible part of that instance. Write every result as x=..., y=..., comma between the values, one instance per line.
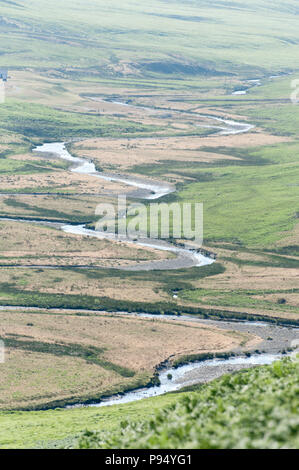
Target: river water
x=172, y=379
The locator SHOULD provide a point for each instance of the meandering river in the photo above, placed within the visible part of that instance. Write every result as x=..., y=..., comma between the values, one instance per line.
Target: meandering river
x=185, y=257
x=147, y=189
x=173, y=379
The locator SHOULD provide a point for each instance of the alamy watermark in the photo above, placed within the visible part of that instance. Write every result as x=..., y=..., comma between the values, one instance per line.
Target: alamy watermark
x=2, y=91
x=295, y=94
x=3, y=80
x=154, y=221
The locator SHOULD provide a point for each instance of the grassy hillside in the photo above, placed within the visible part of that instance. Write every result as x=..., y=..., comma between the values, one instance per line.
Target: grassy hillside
x=44, y=123
x=236, y=198
x=202, y=416
x=188, y=38
x=22, y=429
x=72, y=65
x=255, y=409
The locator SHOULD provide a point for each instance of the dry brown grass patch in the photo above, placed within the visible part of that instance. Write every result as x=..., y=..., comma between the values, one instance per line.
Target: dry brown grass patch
x=35, y=378
x=22, y=243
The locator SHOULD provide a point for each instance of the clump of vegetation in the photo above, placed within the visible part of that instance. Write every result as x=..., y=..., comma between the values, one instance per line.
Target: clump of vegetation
x=258, y=406
x=37, y=122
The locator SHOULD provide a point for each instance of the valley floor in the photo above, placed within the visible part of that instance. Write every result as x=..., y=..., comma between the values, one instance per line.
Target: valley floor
x=60, y=292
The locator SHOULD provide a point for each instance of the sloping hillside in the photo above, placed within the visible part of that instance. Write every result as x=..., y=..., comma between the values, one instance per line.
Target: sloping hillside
x=256, y=409
x=191, y=37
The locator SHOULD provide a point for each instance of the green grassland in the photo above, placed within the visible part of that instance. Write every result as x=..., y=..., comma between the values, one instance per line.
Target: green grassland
x=280, y=119
x=236, y=195
x=241, y=298
x=93, y=34
x=14, y=167
x=49, y=428
x=278, y=88
x=236, y=202
x=38, y=122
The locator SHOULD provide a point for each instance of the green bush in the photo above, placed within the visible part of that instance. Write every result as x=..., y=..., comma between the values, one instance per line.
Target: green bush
x=253, y=409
